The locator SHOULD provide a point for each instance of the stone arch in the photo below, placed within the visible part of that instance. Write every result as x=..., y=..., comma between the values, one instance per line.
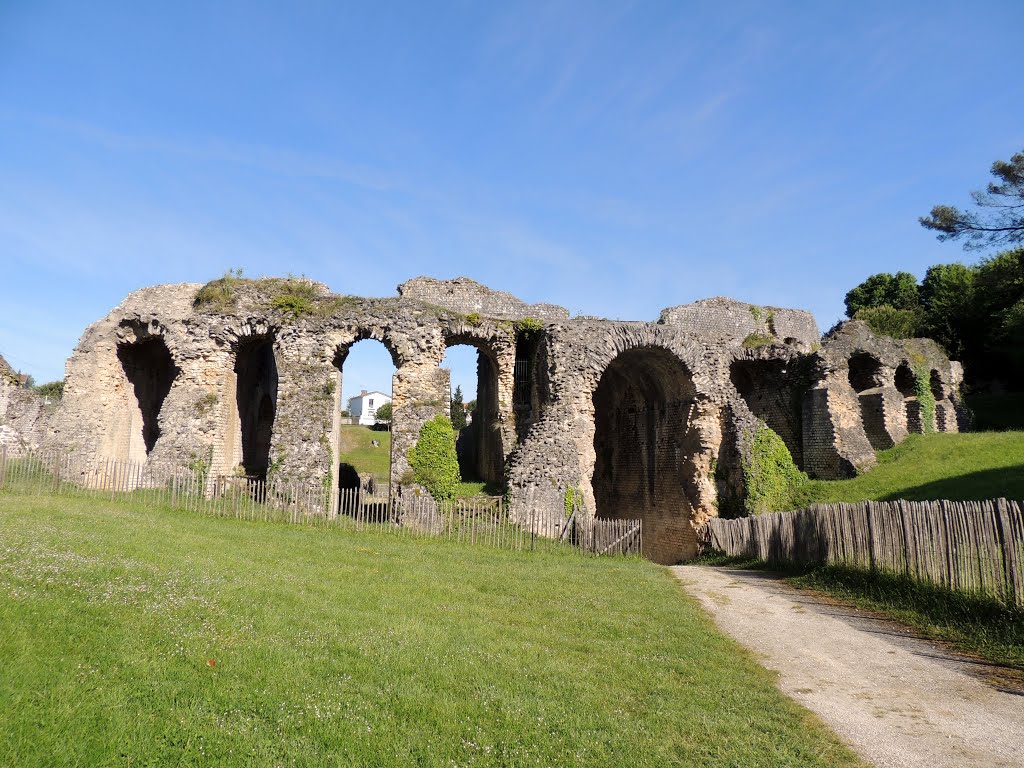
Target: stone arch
x=644, y=404
x=867, y=377
x=344, y=475
x=150, y=369
x=531, y=387
x=905, y=381
x=864, y=372
x=768, y=389
x=481, y=445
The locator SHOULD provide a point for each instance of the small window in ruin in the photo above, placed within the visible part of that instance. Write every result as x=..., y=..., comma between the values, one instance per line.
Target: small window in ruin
x=905, y=380
x=865, y=372
x=936, y=384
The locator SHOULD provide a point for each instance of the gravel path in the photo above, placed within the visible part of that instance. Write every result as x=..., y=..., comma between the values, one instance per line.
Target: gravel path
x=895, y=699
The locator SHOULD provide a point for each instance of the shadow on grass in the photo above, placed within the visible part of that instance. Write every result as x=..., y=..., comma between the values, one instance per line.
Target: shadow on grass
x=1002, y=482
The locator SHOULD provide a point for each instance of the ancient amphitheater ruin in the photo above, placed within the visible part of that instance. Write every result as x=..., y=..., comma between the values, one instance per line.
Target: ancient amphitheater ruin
x=647, y=420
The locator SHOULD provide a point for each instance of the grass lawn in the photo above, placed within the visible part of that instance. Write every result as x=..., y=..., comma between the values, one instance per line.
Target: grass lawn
x=980, y=465
x=145, y=636
x=357, y=449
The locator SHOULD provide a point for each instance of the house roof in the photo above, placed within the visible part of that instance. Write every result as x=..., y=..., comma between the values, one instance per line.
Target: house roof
x=375, y=392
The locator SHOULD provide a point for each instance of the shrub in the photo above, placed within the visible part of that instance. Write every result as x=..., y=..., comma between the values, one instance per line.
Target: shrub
x=434, y=462
x=219, y=294
x=773, y=481
x=888, y=321
x=756, y=340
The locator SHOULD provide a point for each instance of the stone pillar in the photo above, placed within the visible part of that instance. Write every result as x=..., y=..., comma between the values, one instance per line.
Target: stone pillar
x=421, y=391
x=835, y=444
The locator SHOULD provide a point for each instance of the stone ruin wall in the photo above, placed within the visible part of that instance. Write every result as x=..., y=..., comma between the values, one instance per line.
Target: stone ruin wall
x=648, y=420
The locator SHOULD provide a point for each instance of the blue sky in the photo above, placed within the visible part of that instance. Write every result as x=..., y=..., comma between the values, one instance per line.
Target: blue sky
x=612, y=157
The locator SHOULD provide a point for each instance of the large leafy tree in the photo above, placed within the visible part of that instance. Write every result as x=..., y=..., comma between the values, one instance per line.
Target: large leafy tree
x=898, y=291
x=1000, y=221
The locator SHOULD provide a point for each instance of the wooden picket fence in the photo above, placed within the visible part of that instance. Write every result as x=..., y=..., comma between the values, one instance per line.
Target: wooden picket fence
x=481, y=521
x=969, y=546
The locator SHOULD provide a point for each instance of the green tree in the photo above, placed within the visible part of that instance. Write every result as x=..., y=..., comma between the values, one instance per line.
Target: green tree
x=434, y=462
x=457, y=410
x=383, y=414
x=1001, y=220
x=898, y=291
x=950, y=317
x=52, y=389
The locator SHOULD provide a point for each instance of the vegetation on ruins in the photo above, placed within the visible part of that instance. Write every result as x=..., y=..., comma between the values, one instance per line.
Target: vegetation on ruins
x=755, y=340
x=293, y=296
x=1000, y=221
x=434, y=462
x=529, y=326
x=219, y=294
x=773, y=481
x=573, y=500
x=142, y=635
x=975, y=312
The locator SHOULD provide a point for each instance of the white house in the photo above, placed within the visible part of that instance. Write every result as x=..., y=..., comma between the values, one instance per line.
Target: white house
x=363, y=407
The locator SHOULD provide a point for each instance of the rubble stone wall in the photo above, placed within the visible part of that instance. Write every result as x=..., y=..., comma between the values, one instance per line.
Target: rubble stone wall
x=642, y=420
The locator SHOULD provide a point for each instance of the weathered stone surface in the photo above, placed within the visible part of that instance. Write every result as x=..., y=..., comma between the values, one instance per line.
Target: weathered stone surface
x=729, y=319
x=642, y=420
x=24, y=415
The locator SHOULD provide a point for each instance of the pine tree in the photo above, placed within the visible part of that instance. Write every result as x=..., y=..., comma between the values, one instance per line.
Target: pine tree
x=458, y=412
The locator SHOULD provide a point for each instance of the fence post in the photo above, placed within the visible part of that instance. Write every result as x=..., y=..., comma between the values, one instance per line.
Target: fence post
x=3, y=465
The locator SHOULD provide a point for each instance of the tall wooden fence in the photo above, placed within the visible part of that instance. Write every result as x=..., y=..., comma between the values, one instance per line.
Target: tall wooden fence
x=969, y=546
x=481, y=521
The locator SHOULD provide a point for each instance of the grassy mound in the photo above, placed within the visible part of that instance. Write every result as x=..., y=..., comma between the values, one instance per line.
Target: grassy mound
x=145, y=636
x=981, y=465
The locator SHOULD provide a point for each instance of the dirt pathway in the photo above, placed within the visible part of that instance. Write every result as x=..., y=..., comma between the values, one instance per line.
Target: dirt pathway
x=896, y=699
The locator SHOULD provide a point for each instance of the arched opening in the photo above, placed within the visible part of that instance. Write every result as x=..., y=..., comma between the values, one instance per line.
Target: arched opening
x=935, y=382
x=151, y=372
x=530, y=380
x=867, y=377
x=643, y=444
x=363, y=418
x=905, y=381
x=769, y=390
x=865, y=372
x=474, y=411
x=256, y=396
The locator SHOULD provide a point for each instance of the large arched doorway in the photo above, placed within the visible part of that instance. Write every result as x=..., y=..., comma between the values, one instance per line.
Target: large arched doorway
x=256, y=396
x=151, y=371
x=643, y=408
x=473, y=373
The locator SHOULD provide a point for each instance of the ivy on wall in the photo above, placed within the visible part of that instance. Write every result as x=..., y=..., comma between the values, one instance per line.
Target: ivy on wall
x=435, y=465
x=771, y=477
x=925, y=397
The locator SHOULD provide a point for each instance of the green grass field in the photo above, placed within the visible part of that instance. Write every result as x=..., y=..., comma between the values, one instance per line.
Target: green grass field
x=980, y=465
x=145, y=636
x=357, y=449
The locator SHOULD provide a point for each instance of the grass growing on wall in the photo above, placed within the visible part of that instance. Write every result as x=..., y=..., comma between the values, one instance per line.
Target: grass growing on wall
x=144, y=636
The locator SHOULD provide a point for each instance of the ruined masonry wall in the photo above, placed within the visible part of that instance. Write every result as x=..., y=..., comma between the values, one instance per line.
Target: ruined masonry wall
x=680, y=468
